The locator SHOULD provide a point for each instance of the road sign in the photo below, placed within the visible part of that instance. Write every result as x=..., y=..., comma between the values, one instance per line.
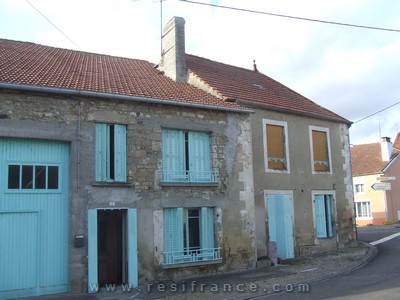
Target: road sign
x=382, y=186
x=385, y=178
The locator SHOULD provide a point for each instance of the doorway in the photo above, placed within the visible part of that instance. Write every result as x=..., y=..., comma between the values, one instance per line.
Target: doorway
x=111, y=245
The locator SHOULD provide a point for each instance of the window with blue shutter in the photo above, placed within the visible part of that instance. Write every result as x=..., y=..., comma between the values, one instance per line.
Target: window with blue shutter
x=110, y=152
x=189, y=235
x=324, y=216
x=186, y=156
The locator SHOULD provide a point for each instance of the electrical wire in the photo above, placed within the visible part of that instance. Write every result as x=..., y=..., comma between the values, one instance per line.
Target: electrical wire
x=371, y=115
x=291, y=17
x=52, y=24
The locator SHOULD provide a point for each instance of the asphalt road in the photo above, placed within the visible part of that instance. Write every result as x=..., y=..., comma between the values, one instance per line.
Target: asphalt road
x=379, y=279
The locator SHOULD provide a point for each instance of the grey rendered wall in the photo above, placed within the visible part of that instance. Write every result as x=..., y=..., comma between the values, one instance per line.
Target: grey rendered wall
x=302, y=182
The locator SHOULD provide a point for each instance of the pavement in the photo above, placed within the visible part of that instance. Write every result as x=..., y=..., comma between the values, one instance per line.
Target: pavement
x=289, y=276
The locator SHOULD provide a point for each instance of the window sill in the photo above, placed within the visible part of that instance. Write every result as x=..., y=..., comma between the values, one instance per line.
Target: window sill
x=112, y=184
x=163, y=183
x=192, y=264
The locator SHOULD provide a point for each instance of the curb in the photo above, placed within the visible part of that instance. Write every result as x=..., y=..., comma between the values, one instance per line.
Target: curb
x=371, y=253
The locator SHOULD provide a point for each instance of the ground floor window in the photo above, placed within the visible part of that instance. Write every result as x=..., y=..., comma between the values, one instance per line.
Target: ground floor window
x=363, y=209
x=189, y=235
x=324, y=215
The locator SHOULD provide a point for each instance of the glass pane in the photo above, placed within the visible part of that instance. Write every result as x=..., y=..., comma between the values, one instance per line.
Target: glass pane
x=27, y=177
x=40, y=177
x=194, y=229
x=13, y=176
x=52, y=180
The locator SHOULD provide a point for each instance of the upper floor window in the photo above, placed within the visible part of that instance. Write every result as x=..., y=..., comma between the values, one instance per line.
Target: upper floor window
x=186, y=156
x=110, y=152
x=189, y=235
x=359, y=188
x=324, y=215
x=320, y=150
x=276, y=153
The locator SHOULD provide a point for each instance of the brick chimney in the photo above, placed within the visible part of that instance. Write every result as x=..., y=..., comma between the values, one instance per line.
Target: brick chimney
x=173, y=60
x=386, y=148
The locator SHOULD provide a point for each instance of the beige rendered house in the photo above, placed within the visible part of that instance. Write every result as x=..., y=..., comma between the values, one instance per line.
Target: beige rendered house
x=376, y=175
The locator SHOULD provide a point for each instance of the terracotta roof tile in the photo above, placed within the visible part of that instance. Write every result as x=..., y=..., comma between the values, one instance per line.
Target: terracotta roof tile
x=32, y=64
x=366, y=159
x=253, y=87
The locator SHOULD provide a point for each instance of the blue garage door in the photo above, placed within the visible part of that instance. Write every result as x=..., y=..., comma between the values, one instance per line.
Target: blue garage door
x=33, y=217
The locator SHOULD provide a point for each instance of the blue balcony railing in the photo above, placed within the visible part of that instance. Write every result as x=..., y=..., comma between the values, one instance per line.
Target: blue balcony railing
x=189, y=256
x=176, y=176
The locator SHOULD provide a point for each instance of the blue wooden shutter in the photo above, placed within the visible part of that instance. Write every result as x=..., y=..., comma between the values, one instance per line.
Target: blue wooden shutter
x=173, y=233
x=101, y=152
x=207, y=228
x=199, y=156
x=288, y=225
x=320, y=216
x=92, y=251
x=271, y=200
x=173, y=155
x=132, y=248
x=120, y=152
x=329, y=215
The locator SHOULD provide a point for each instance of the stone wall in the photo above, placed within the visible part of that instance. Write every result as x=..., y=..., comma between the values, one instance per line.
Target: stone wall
x=54, y=117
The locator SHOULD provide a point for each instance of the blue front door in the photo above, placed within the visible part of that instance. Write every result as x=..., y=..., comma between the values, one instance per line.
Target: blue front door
x=280, y=223
x=33, y=217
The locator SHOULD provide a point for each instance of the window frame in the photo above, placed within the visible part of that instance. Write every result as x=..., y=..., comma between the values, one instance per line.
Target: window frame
x=175, y=249
x=283, y=124
x=369, y=208
x=333, y=222
x=362, y=185
x=328, y=145
x=104, y=155
x=180, y=150
x=34, y=190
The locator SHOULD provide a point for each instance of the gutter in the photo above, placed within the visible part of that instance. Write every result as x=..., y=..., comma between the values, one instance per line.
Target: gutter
x=84, y=93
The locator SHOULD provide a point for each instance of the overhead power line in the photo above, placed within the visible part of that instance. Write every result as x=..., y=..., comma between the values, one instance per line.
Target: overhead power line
x=291, y=17
x=371, y=115
x=47, y=19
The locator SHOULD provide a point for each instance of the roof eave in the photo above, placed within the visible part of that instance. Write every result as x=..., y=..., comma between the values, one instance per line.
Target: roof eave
x=273, y=108
x=102, y=95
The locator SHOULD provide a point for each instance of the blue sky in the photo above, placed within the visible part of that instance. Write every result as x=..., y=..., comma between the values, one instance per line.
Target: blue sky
x=351, y=71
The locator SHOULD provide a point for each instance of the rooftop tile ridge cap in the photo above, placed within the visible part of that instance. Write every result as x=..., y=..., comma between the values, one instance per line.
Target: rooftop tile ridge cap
x=74, y=50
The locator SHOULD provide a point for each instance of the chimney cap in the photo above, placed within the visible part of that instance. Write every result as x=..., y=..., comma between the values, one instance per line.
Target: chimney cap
x=385, y=139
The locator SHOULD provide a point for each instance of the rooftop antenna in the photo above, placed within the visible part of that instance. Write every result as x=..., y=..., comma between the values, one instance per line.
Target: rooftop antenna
x=379, y=120
x=161, y=26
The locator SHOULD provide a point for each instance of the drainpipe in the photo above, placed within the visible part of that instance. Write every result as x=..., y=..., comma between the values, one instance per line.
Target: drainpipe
x=78, y=148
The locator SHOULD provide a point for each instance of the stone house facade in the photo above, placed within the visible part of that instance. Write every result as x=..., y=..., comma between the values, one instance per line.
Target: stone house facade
x=126, y=172
x=113, y=173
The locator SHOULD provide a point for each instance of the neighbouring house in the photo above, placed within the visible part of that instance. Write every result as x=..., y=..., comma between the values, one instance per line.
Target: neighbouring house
x=376, y=175
x=114, y=173
x=301, y=153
